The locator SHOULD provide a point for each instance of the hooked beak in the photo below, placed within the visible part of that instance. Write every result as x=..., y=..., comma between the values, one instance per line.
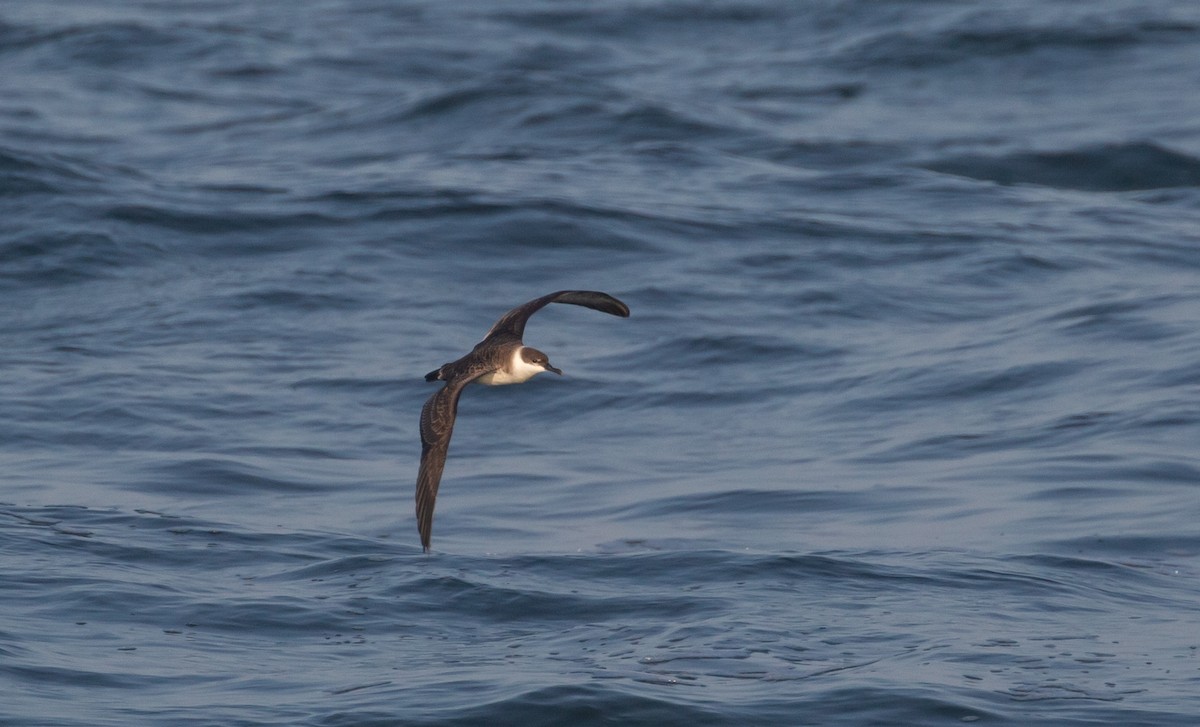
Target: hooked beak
x=551, y=368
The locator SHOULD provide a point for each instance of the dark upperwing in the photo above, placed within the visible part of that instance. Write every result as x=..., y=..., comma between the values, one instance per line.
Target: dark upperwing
x=514, y=321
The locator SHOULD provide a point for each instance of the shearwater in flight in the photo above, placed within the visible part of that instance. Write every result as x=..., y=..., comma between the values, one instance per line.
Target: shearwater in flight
x=500, y=358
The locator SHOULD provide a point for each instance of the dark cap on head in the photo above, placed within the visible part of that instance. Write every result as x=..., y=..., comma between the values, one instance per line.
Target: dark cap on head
x=537, y=358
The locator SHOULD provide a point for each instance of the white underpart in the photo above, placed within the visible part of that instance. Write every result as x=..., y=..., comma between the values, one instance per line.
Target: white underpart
x=519, y=372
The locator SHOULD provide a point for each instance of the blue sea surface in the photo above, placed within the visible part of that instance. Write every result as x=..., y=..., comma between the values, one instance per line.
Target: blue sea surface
x=904, y=428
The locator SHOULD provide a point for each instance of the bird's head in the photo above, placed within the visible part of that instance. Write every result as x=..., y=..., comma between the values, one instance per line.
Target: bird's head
x=534, y=357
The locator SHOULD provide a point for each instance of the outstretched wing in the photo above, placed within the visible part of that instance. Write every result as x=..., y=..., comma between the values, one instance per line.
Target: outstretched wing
x=514, y=321
x=437, y=424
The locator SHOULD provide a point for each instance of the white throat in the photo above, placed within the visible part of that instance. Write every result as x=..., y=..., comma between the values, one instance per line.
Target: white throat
x=518, y=371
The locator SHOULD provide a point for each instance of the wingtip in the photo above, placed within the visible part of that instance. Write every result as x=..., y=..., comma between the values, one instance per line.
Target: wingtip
x=595, y=299
x=615, y=306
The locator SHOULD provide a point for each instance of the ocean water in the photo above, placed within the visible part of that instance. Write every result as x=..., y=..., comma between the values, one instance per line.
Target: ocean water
x=903, y=428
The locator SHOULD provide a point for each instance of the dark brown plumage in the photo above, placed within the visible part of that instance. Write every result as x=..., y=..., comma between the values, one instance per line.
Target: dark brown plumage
x=500, y=358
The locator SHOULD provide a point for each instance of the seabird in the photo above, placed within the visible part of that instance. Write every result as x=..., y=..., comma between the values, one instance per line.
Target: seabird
x=500, y=358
